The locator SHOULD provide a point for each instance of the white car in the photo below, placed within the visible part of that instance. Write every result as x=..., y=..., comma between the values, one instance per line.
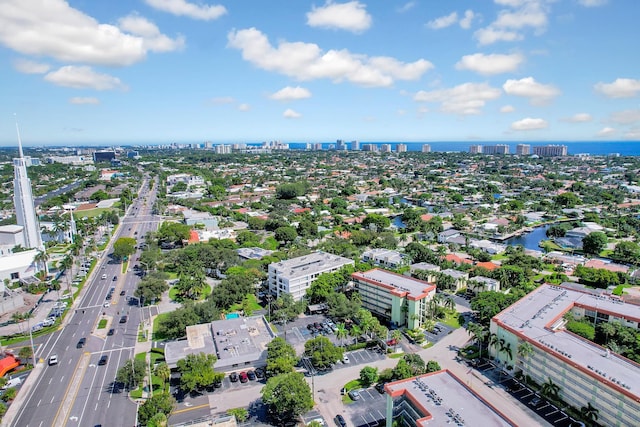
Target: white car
x=106, y=304
x=53, y=359
x=345, y=359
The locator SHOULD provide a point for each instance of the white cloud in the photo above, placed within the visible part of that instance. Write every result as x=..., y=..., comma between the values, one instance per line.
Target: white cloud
x=152, y=38
x=291, y=94
x=632, y=134
x=527, y=87
x=350, y=16
x=54, y=29
x=406, y=7
x=465, y=22
x=607, y=131
x=184, y=8
x=626, y=117
x=290, y=114
x=490, y=64
x=306, y=61
x=507, y=109
x=244, y=107
x=443, y=21
x=620, y=88
x=223, y=100
x=80, y=100
x=83, y=77
x=467, y=98
x=30, y=67
x=592, y=3
x=579, y=118
x=512, y=3
x=530, y=15
x=490, y=35
x=529, y=124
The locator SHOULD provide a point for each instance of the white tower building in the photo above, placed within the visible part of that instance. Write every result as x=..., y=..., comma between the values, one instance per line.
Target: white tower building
x=23, y=201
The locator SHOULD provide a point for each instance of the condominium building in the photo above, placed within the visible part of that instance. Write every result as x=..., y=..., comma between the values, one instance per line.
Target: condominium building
x=369, y=147
x=475, y=149
x=523, y=149
x=426, y=148
x=496, y=149
x=385, y=257
x=550, y=150
x=401, y=300
x=401, y=148
x=439, y=399
x=385, y=148
x=584, y=372
x=294, y=276
x=355, y=145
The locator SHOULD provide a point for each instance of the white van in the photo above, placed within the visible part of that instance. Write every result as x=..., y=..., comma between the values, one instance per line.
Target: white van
x=104, y=277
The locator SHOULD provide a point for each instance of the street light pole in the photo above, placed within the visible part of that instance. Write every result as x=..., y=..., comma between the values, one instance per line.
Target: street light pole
x=33, y=349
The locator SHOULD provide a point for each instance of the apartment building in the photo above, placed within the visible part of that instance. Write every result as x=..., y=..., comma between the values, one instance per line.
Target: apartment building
x=584, y=371
x=523, y=149
x=550, y=150
x=294, y=276
x=401, y=300
x=385, y=258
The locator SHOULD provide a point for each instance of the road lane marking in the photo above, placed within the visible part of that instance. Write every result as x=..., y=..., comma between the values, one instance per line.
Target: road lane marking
x=62, y=414
x=179, y=411
x=39, y=401
x=50, y=379
x=62, y=379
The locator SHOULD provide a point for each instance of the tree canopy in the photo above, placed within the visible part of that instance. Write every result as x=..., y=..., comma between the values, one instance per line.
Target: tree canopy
x=287, y=396
x=123, y=247
x=197, y=371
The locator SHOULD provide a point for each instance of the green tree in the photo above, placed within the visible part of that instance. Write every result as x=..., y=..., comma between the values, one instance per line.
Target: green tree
x=432, y=366
x=550, y=389
x=594, y=243
x=9, y=394
x=173, y=232
x=151, y=287
x=131, y=373
x=287, y=396
x=567, y=200
x=322, y=351
x=402, y=370
x=628, y=252
x=158, y=420
x=589, y=413
x=25, y=353
x=158, y=403
x=197, y=371
x=368, y=375
x=163, y=372
x=124, y=247
x=285, y=234
x=490, y=303
x=281, y=357
x=380, y=221
x=241, y=414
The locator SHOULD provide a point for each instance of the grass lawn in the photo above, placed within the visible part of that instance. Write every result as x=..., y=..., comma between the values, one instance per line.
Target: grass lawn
x=156, y=323
x=351, y=385
x=125, y=265
x=173, y=293
x=549, y=246
x=451, y=319
x=253, y=305
x=102, y=324
x=89, y=213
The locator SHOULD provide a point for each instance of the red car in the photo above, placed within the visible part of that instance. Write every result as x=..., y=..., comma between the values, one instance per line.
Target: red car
x=244, y=377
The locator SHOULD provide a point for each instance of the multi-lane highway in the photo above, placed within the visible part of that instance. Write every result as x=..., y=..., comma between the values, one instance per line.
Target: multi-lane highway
x=79, y=391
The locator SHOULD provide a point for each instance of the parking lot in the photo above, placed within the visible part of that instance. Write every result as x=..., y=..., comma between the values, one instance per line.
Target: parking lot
x=368, y=410
x=440, y=331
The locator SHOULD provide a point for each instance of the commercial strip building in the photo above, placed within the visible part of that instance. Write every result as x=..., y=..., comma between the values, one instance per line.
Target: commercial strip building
x=294, y=276
x=401, y=300
x=584, y=371
x=239, y=343
x=438, y=398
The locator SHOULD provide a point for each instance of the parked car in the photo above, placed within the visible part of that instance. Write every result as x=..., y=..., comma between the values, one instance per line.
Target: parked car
x=259, y=373
x=233, y=377
x=243, y=377
x=111, y=332
x=380, y=388
x=251, y=375
x=535, y=401
x=354, y=394
x=340, y=420
x=345, y=359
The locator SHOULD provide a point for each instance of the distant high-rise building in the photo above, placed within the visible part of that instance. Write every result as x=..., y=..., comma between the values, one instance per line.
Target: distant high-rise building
x=370, y=147
x=222, y=149
x=475, y=149
x=426, y=148
x=317, y=146
x=495, y=149
x=23, y=201
x=550, y=150
x=341, y=145
x=401, y=148
x=385, y=148
x=523, y=149
x=355, y=145
x=104, y=156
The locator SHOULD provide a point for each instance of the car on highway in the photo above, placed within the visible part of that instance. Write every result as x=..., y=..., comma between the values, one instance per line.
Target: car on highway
x=122, y=293
x=123, y=319
x=106, y=304
x=81, y=342
x=104, y=276
x=115, y=278
x=53, y=359
x=103, y=360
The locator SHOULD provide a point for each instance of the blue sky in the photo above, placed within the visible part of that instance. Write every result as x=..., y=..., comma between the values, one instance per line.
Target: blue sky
x=161, y=71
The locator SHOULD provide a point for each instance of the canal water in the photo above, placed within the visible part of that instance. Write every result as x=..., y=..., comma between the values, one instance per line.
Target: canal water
x=530, y=240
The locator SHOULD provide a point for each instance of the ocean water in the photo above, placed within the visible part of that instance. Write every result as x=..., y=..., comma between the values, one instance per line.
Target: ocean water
x=623, y=148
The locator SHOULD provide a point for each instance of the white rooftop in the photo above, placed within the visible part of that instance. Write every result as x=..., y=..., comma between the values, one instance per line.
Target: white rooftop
x=11, y=228
x=416, y=288
x=316, y=262
x=535, y=316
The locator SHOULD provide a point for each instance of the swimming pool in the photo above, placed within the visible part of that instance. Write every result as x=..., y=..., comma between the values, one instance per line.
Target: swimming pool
x=232, y=315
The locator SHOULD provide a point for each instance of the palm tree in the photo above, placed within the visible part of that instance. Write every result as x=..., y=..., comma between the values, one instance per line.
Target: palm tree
x=41, y=258
x=396, y=335
x=608, y=329
x=163, y=371
x=589, y=413
x=493, y=341
x=355, y=331
x=550, y=389
x=341, y=332
x=525, y=350
x=449, y=303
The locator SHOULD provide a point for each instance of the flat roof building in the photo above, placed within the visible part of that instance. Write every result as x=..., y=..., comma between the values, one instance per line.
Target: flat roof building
x=239, y=343
x=584, y=371
x=438, y=399
x=385, y=257
x=401, y=300
x=294, y=276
